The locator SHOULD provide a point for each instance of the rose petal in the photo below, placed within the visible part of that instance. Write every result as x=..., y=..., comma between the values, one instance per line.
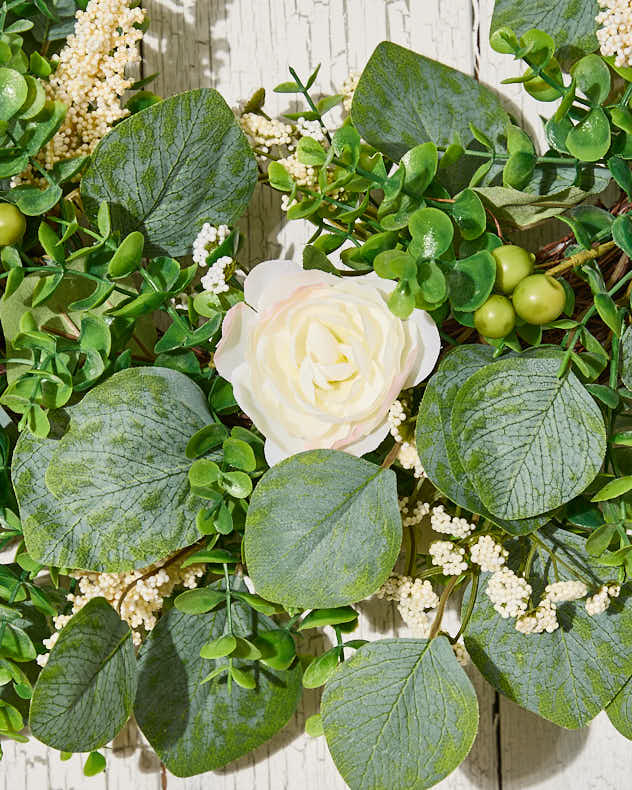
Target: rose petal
x=273, y=281
x=426, y=335
x=231, y=349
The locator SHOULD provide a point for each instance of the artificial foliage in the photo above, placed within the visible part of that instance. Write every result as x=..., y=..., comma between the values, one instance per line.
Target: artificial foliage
x=203, y=460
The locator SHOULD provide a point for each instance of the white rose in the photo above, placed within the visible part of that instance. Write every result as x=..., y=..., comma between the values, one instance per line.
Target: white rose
x=316, y=360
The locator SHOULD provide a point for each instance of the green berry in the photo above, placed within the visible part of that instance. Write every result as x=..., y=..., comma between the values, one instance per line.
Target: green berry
x=496, y=318
x=12, y=224
x=513, y=264
x=539, y=299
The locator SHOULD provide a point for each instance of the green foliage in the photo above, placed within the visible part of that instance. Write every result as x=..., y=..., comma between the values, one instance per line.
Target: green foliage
x=403, y=697
x=569, y=675
x=571, y=24
x=529, y=441
x=396, y=80
x=198, y=727
x=170, y=168
x=85, y=693
x=437, y=443
x=342, y=515
x=76, y=501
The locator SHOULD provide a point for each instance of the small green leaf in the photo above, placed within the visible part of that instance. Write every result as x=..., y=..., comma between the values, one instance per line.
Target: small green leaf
x=432, y=230
x=199, y=601
x=128, y=256
x=277, y=648
x=589, y=140
x=237, y=484
x=470, y=281
x=469, y=214
x=310, y=152
x=318, y=618
x=593, y=78
x=600, y=539
x=13, y=93
x=314, y=726
x=219, y=648
x=613, y=489
x=420, y=165
x=206, y=439
x=95, y=764
x=243, y=678
x=239, y=455
x=320, y=669
x=279, y=177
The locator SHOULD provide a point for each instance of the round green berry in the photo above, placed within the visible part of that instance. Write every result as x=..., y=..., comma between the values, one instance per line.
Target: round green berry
x=496, y=318
x=513, y=264
x=539, y=299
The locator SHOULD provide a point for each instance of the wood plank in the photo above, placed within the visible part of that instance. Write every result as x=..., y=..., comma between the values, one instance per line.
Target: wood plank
x=538, y=755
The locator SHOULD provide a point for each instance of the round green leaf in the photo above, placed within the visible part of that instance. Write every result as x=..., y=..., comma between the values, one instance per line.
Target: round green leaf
x=470, y=281
x=128, y=255
x=590, y=139
x=407, y=698
x=206, y=439
x=529, y=441
x=321, y=617
x=277, y=648
x=170, y=168
x=420, y=165
x=438, y=450
x=113, y=493
x=239, y=454
x=322, y=509
x=199, y=601
x=84, y=694
x=13, y=93
x=593, y=78
x=571, y=674
x=432, y=231
x=198, y=727
x=394, y=265
x=237, y=484
x=469, y=214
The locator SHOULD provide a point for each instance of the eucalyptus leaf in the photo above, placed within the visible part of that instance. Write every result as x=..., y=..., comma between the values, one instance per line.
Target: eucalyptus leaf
x=196, y=728
x=113, y=493
x=170, y=168
x=396, y=79
x=84, y=694
x=412, y=711
x=566, y=676
x=322, y=509
x=437, y=448
x=570, y=23
x=529, y=441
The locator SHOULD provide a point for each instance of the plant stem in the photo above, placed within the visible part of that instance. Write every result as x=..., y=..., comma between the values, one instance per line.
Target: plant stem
x=434, y=629
x=470, y=608
x=311, y=104
x=581, y=257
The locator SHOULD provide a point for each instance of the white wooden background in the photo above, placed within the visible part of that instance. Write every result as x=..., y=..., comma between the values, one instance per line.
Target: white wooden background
x=237, y=46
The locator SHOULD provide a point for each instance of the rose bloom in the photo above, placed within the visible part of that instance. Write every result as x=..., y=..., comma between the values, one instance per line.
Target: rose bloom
x=316, y=360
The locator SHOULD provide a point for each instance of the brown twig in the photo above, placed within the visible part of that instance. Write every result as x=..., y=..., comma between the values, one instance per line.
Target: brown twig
x=392, y=455
x=178, y=556
x=163, y=776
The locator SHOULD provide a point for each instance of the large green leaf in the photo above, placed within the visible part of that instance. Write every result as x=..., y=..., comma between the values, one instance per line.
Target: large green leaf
x=529, y=441
x=523, y=209
x=85, y=693
x=626, y=357
x=170, y=168
x=404, y=99
x=620, y=710
x=196, y=728
x=400, y=713
x=437, y=448
x=567, y=676
x=570, y=22
x=113, y=494
x=322, y=509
